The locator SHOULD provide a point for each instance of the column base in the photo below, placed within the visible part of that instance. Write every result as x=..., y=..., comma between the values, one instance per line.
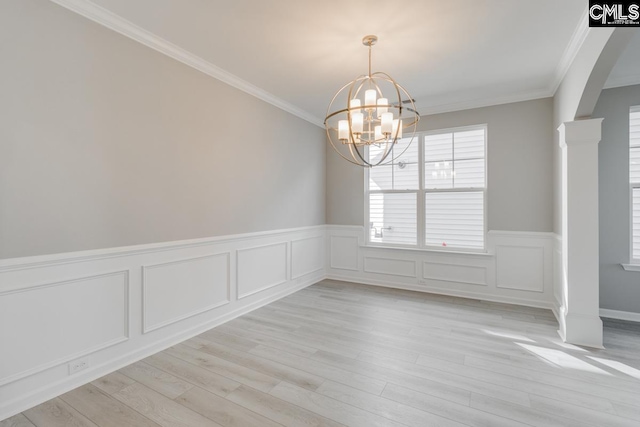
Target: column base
x=581, y=329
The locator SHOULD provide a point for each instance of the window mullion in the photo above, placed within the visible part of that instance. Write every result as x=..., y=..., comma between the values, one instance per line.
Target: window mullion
x=420, y=214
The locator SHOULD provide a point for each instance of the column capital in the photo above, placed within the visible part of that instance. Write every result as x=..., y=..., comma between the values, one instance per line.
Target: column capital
x=580, y=132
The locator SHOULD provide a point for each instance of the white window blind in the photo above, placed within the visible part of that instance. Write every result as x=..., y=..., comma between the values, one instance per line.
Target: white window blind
x=455, y=219
x=433, y=194
x=399, y=175
x=393, y=218
x=636, y=223
x=454, y=185
x=634, y=179
x=392, y=210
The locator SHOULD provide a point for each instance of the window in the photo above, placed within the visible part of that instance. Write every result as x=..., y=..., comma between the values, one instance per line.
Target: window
x=433, y=195
x=634, y=179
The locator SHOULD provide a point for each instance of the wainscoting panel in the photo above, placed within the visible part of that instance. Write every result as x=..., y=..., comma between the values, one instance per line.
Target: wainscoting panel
x=344, y=252
x=261, y=268
x=54, y=323
x=112, y=307
x=175, y=290
x=520, y=268
x=516, y=268
x=558, y=273
x=390, y=266
x=307, y=256
x=55, y=309
x=454, y=273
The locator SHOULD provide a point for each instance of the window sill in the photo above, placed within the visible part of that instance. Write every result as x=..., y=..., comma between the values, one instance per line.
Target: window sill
x=631, y=267
x=430, y=251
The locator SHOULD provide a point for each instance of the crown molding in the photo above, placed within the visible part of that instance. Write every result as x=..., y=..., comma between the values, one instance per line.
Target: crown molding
x=570, y=52
x=483, y=102
x=114, y=22
x=622, y=81
x=122, y=26
x=575, y=43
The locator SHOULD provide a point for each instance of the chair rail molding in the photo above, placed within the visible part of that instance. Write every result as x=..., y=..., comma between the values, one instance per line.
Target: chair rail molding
x=517, y=268
x=118, y=305
x=224, y=281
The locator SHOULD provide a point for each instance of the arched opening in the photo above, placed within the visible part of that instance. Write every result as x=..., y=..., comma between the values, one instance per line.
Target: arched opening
x=577, y=185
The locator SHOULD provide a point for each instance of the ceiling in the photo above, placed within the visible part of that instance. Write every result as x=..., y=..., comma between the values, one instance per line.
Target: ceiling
x=296, y=54
x=626, y=72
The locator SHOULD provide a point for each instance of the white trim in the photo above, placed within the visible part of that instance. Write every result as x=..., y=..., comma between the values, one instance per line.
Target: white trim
x=572, y=49
x=49, y=391
x=146, y=327
x=267, y=286
x=87, y=351
x=622, y=81
x=45, y=388
x=39, y=261
x=429, y=250
x=331, y=237
x=443, y=291
x=128, y=29
x=575, y=43
x=443, y=279
x=501, y=285
x=41, y=382
x=379, y=271
x=122, y=26
x=527, y=234
x=422, y=191
x=481, y=103
x=620, y=315
x=631, y=267
x=291, y=275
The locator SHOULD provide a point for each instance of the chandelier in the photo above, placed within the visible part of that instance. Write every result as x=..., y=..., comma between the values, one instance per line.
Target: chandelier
x=374, y=110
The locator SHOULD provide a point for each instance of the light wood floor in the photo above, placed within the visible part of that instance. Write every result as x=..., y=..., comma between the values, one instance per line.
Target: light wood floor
x=340, y=354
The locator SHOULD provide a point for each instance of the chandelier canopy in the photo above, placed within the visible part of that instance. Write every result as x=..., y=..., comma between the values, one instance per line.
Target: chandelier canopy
x=375, y=110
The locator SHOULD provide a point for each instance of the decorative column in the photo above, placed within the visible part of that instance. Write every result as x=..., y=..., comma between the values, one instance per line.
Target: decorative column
x=580, y=312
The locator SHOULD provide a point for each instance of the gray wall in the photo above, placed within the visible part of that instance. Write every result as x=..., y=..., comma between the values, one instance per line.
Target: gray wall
x=520, y=170
x=105, y=142
x=619, y=289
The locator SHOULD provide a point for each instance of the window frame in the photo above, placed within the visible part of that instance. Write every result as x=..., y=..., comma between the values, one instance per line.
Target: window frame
x=421, y=193
x=632, y=186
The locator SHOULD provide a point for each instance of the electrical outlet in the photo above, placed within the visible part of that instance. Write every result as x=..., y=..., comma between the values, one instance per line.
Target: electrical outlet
x=78, y=365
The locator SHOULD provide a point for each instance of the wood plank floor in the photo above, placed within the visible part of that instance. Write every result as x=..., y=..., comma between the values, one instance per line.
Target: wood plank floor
x=338, y=354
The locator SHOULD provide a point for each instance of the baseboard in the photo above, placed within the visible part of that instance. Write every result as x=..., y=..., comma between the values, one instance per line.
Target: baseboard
x=620, y=315
x=444, y=291
x=118, y=305
x=239, y=265
x=51, y=391
x=517, y=268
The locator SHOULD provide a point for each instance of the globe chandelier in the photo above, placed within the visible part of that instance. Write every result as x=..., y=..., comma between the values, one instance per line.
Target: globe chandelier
x=375, y=110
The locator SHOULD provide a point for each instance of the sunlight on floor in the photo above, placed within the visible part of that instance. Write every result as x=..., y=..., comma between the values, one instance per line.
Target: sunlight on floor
x=568, y=346
x=507, y=335
x=562, y=359
x=618, y=366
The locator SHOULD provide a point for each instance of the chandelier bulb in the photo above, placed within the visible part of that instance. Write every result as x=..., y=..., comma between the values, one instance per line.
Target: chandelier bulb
x=374, y=113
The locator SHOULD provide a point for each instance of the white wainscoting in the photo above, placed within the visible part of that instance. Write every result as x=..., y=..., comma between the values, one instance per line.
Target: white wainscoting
x=455, y=273
x=261, y=268
x=558, y=277
x=390, y=266
x=114, y=306
x=307, y=256
x=175, y=290
x=49, y=315
x=344, y=248
x=517, y=267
